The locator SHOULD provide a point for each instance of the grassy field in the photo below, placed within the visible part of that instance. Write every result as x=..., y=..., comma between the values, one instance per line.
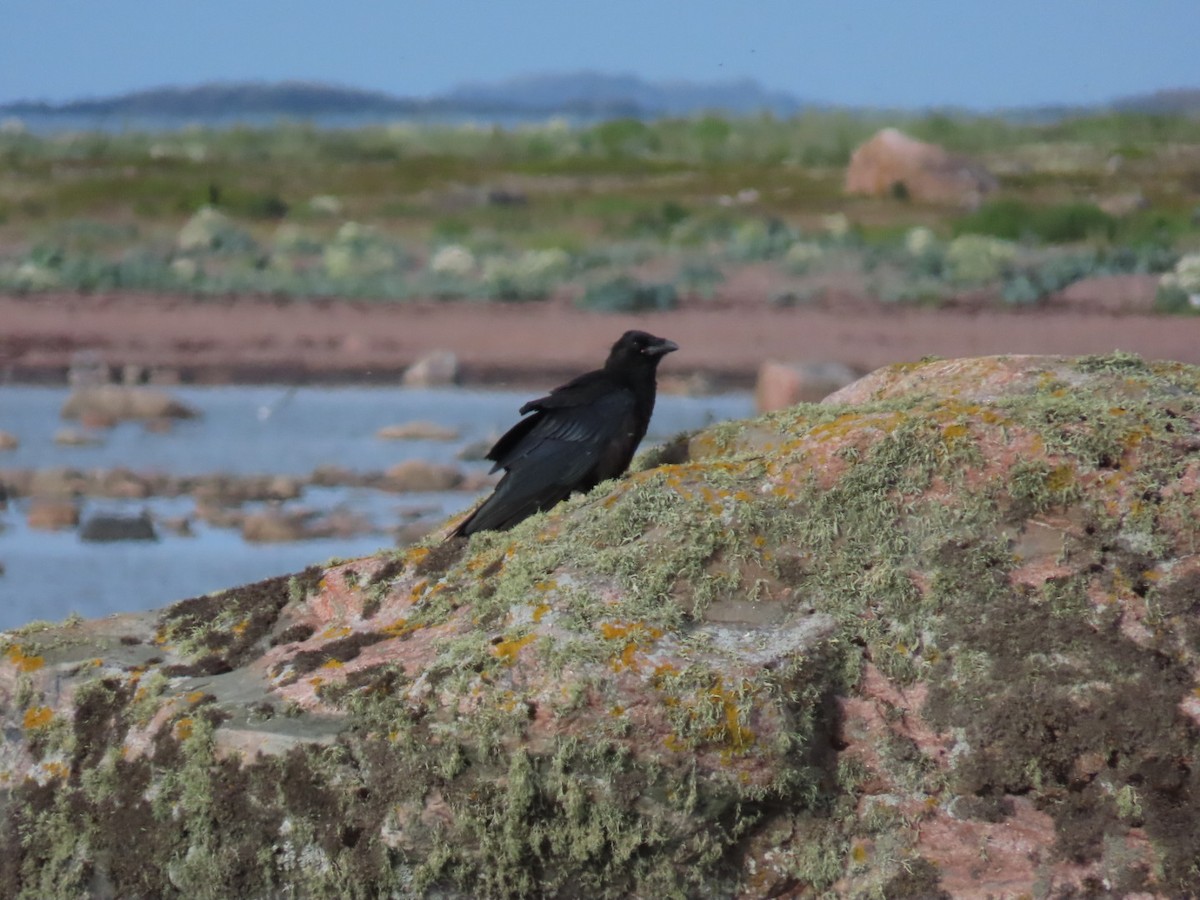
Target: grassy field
x=491, y=214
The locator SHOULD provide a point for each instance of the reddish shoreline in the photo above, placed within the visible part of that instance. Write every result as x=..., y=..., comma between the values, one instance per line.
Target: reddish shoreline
x=261, y=340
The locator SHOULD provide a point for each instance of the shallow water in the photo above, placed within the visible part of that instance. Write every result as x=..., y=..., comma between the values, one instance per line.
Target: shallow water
x=245, y=430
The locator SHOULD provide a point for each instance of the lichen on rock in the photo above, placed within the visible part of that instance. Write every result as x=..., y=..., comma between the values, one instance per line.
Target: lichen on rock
x=934, y=636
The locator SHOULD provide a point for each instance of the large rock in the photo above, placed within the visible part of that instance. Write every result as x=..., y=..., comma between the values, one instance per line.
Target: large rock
x=106, y=528
x=781, y=384
x=119, y=401
x=436, y=369
x=893, y=164
x=938, y=638
x=9, y=441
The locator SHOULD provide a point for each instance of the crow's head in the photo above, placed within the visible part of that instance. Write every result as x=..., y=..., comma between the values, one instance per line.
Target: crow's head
x=637, y=349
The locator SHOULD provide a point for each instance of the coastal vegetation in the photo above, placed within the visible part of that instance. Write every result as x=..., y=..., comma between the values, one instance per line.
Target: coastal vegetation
x=623, y=214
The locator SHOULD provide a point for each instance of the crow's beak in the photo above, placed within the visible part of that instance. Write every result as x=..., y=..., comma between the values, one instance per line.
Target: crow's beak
x=662, y=348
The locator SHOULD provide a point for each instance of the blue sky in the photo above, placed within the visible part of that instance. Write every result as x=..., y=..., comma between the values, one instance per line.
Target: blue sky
x=903, y=53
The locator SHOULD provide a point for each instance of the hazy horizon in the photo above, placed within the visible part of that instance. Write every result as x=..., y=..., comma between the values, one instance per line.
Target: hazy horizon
x=929, y=53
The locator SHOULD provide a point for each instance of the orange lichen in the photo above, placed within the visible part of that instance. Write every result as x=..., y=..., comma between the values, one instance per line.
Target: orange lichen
x=1060, y=478
x=674, y=744
x=23, y=661
x=539, y=611
x=952, y=434
x=332, y=664
x=194, y=697
x=241, y=626
x=399, y=628
x=56, y=769
x=508, y=650
x=38, y=717
x=335, y=631
x=732, y=732
x=635, y=634
x=183, y=728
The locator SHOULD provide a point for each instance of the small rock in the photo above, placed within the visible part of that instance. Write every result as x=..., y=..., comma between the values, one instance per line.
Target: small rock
x=103, y=528
x=411, y=532
x=417, y=431
x=219, y=516
x=47, y=514
x=283, y=487
x=781, y=385
x=418, y=475
x=342, y=523
x=119, y=483
x=275, y=526
x=180, y=526
x=411, y=513
x=56, y=482
x=9, y=441
x=480, y=481
x=165, y=376
x=96, y=419
x=697, y=384
x=437, y=369
x=71, y=437
x=125, y=402
x=476, y=450
x=132, y=373
x=335, y=476
x=158, y=426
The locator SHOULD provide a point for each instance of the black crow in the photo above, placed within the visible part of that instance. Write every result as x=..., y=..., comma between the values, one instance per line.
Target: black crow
x=579, y=435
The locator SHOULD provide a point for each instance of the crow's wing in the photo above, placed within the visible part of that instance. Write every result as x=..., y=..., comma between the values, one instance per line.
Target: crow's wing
x=555, y=451
x=586, y=409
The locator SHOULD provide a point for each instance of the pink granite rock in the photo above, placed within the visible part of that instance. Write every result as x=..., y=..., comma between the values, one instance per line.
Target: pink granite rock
x=937, y=637
x=926, y=172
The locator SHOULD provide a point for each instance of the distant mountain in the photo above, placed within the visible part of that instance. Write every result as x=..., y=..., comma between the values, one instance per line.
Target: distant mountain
x=584, y=93
x=1175, y=102
x=587, y=95
x=623, y=94
x=225, y=99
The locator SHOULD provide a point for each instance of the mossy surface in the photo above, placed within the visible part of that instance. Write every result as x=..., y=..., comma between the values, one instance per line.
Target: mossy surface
x=780, y=656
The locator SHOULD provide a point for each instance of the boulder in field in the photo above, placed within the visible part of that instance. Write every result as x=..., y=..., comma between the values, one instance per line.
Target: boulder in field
x=893, y=164
x=935, y=636
x=118, y=401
